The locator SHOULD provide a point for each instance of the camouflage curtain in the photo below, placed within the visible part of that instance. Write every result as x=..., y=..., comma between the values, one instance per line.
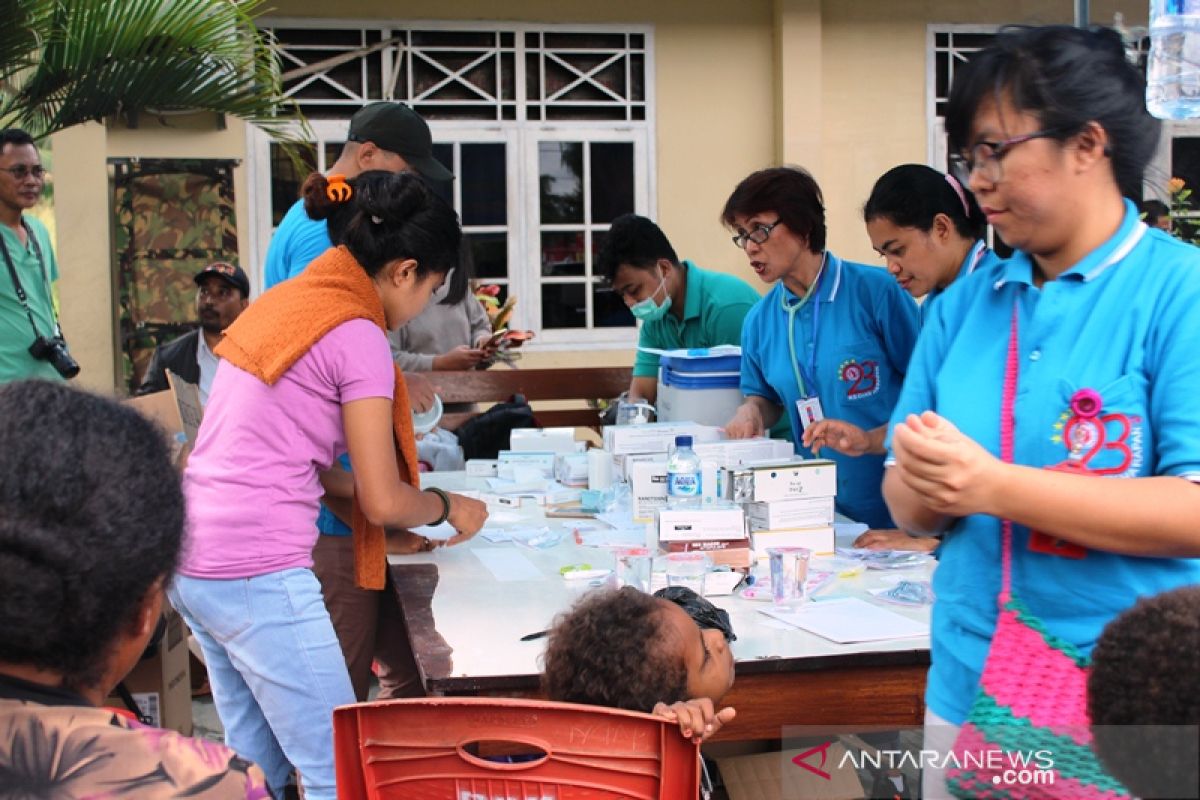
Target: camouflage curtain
x=172, y=217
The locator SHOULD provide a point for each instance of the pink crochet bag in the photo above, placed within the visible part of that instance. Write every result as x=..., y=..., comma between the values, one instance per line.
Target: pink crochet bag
x=1028, y=733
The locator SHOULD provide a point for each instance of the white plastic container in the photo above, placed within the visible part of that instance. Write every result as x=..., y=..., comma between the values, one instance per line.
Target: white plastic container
x=702, y=388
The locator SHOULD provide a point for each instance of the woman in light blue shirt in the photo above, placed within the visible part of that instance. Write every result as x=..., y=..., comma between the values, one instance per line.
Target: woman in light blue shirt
x=1050, y=128
x=831, y=338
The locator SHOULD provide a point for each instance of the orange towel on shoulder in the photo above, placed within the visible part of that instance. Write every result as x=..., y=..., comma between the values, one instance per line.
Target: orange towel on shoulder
x=284, y=324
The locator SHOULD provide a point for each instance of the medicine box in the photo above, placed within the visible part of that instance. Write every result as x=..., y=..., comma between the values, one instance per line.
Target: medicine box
x=655, y=437
x=647, y=489
x=509, y=461
x=787, y=480
x=734, y=553
x=556, y=440
x=701, y=524
x=818, y=539
x=802, y=512
x=729, y=453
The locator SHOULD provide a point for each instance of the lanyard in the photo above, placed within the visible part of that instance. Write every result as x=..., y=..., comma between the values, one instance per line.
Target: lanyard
x=805, y=377
x=12, y=273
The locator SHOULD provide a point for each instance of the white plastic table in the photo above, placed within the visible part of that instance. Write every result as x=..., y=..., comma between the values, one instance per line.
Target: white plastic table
x=466, y=624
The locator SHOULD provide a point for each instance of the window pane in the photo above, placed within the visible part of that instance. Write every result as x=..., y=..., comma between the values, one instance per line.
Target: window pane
x=1185, y=160
x=490, y=251
x=612, y=180
x=562, y=254
x=610, y=310
x=560, y=172
x=563, y=305
x=484, y=194
x=287, y=176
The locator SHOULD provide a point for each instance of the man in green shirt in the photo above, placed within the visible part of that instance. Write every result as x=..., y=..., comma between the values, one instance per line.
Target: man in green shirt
x=27, y=315
x=679, y=304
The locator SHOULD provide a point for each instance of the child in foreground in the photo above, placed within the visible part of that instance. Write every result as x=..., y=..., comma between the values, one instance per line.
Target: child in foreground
x=666, y=655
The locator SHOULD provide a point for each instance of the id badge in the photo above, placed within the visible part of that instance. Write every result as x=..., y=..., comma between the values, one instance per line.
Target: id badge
x=809, y=409
x=1051, y=545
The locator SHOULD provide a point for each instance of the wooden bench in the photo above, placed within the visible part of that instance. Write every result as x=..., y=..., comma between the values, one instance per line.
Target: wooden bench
x=499, y=384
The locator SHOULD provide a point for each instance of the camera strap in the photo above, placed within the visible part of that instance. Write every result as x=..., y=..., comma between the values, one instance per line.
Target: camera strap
x=16, y=281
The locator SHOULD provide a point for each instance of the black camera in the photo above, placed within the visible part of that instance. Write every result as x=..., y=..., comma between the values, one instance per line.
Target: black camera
x=55, y=351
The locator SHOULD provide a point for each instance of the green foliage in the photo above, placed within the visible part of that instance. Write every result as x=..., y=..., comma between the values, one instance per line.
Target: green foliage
x=63, y=62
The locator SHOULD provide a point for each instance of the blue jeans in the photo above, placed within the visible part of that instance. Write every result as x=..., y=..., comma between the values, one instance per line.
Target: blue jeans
x=276, y=670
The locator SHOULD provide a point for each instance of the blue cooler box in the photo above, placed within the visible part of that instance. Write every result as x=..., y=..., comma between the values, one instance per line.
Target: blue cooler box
x=699, y=387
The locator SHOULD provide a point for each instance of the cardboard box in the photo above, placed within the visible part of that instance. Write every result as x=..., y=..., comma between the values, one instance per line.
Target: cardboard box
x=511, y=464
x=647, y=489
x=556, y=440
x=483, y=467
x=732, y=553
x=787, y=480
x=701, y=524
x=162, y=685
x=571, y=469
x=775, y=776
x=623, y=464
x=730, y=453
x=818, y=539
x=178, y=412
x=655, y=437
x=804, y=512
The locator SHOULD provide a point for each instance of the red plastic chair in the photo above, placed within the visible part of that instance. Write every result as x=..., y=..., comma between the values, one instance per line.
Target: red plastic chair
x=472, y=749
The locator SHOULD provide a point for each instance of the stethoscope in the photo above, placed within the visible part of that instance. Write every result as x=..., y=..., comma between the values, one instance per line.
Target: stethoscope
x=804, y=377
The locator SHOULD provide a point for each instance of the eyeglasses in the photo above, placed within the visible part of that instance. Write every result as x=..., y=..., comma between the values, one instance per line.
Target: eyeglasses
x=22, y=171
x=758, y=234
x=986, y=156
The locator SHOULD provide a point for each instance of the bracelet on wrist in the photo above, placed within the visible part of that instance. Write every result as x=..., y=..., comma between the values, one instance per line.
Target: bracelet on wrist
x=445, y=505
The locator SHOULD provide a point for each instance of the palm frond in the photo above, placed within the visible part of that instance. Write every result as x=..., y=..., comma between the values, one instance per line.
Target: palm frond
x=73, y=61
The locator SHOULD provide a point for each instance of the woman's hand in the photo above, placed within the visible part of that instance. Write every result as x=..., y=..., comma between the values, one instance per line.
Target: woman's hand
x=467, y=516
x=747, y=422
x=844, y=437
x=896, y=539
x=403, y=542
x=698, y=719
x=460, y=358
x=951, y=472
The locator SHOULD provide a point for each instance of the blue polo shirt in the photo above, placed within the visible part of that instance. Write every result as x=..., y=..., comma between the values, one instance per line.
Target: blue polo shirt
x=980, y=256
x=297, y=241
x=857, y=355
x=1123, y=323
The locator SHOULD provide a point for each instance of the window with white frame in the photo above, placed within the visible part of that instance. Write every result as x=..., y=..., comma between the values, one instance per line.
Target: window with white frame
x=548, y=130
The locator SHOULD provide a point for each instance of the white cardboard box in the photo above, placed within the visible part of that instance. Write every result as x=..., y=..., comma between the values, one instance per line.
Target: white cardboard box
x=655, y=437
x=802, y=512
x=647, y=489
x=817, y=539
x=787, y=480
x=556, y=440
x=701, y=524
x=728, y=453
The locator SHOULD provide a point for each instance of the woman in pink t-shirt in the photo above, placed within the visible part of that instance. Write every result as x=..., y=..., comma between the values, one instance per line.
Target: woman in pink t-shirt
x=280, y=413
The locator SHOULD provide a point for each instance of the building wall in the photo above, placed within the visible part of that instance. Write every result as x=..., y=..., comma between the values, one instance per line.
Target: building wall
x=838, y=87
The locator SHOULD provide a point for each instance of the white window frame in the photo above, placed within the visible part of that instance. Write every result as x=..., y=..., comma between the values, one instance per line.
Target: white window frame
x=521, y=136
x=937, y=149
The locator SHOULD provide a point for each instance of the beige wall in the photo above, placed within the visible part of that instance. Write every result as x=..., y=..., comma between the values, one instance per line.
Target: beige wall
x=836, y=86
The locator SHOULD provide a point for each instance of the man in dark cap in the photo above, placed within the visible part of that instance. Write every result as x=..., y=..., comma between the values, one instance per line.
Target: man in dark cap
x=223, y=292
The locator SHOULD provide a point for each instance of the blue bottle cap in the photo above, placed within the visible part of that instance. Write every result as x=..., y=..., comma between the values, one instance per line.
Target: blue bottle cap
x=683, y=441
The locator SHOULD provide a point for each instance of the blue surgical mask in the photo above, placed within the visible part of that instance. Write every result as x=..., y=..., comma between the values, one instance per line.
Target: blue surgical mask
x=649, y=311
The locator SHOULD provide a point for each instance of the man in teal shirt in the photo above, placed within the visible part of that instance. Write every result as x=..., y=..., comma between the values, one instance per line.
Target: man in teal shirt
x=679, y=304
x=27, y=315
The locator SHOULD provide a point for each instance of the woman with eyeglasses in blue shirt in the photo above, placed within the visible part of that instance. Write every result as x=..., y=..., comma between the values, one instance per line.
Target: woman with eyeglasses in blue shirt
x=830, y=339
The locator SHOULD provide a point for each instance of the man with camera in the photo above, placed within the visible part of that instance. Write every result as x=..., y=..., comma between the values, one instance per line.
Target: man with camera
x=31, y=343
x=222, y=294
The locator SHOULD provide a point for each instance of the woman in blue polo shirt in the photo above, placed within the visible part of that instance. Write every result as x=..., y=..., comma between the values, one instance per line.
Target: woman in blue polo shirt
x=831, y=339
x=1093, y=321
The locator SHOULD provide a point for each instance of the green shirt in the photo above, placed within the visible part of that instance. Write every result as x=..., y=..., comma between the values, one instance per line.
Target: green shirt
x=713, y=310
x=15, y=333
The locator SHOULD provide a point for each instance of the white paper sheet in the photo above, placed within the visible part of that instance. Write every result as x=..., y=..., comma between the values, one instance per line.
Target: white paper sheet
x=849, y=620
x=508, y=566
x=438, y=533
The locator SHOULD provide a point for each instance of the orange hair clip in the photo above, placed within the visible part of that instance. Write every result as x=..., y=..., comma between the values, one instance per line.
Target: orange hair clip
x=337, y=189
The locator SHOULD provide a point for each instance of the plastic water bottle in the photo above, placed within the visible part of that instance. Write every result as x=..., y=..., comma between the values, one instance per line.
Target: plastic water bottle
x=683, y=475
x=1173, y=75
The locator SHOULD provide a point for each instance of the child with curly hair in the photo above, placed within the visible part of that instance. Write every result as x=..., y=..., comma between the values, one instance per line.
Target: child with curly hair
x=1144, y=695
x=666, y=655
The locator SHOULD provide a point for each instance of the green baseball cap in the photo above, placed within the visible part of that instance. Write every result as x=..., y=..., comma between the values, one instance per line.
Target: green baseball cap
x=397, y=128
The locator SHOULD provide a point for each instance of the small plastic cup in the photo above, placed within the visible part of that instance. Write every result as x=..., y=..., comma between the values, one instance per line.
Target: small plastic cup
x=789, y=574
x=634, y=565
x=688, y=569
